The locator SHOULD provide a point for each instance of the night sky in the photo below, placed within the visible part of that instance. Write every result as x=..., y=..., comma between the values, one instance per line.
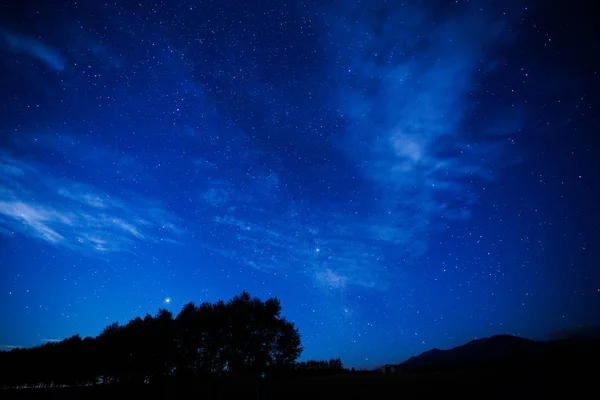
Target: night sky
x=401, y=175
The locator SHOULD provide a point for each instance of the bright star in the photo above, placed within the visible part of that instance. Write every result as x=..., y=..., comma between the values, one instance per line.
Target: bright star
x=168, y=300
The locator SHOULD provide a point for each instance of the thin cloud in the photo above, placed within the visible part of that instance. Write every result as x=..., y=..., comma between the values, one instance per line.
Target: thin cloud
x=219, y=193
x=86, y=195
x=203, y=164
x=78, y=216
x=408, y=104
x=335, y=258
x=220, y=190
x=331, y=279
x=37, y=219
x=217, y=196
x=20, y=44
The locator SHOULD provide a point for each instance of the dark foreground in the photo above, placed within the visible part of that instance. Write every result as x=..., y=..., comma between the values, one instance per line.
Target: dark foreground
x=573, y=381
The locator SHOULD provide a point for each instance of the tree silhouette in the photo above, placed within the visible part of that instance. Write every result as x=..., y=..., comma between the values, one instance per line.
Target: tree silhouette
x=244, y=339
x=320, y=368
x=188, y=341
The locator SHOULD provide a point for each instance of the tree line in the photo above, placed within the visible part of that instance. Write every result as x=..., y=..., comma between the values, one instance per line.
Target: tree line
x=243, y=339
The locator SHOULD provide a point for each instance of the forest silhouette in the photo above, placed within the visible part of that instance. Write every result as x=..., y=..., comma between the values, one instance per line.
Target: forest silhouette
x=245, y=348
x=244, y=339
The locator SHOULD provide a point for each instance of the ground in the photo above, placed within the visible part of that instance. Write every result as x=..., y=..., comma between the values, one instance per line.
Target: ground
x=490, y=383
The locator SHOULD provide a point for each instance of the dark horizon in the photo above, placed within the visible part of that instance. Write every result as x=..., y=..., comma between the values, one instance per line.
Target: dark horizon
x=401, y=176
x=582, y=332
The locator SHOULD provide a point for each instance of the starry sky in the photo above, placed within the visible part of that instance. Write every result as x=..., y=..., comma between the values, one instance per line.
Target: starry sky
x=401, y=175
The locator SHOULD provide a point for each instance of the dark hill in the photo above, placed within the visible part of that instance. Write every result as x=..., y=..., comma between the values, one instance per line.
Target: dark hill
x=507, y=350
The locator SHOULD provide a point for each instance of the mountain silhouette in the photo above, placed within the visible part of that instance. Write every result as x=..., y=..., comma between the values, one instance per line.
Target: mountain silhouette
x=503, y=350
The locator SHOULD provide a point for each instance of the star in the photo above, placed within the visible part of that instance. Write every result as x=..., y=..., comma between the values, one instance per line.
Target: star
x=404, y=164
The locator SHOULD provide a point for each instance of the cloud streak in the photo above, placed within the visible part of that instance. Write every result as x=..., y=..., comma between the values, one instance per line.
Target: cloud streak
x=33, y=202
x=19, y=44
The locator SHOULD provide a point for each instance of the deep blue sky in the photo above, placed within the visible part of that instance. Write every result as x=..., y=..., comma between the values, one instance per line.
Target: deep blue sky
x=402, y=176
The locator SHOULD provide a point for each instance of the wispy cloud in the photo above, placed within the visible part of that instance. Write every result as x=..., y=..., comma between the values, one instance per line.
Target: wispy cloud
x=254, y=186
x=203, y=164
x=407, y=100
x=335, y=257
x=330, y=278
x=66, y=213
x=20, y=44
x=218, y=193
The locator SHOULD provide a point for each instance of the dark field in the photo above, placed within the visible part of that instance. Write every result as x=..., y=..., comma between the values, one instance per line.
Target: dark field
x=572, y=382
